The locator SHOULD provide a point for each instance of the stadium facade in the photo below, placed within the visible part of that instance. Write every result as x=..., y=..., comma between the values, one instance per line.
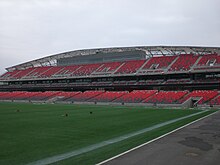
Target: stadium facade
x=147, y=75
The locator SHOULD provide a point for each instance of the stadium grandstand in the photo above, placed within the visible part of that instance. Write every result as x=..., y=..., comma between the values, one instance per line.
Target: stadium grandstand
x=147, y=75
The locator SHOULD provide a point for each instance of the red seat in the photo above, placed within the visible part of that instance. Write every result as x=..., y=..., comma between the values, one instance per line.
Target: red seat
x=84, y=96
x=130, y=67
x=166, y=97
x=10, y=95
x=215, y=101
x=160, y=63
x=204, y=96
x=184, y=62
x=135, y=96
x=108, y=68
x=108, y=96
x=43, y=96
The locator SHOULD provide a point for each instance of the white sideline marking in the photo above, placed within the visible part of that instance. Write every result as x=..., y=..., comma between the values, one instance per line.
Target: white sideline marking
x=76, y=152
x=123, y=153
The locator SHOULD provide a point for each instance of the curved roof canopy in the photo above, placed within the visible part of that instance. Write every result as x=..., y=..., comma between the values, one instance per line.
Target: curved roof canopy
x=149, y=50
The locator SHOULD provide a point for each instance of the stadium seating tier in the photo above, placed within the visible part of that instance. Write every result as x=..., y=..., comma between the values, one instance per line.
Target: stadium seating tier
x=183, y=62
x=136, y=96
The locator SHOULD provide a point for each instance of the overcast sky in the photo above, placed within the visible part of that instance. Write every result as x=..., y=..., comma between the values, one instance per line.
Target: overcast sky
x=31, y=29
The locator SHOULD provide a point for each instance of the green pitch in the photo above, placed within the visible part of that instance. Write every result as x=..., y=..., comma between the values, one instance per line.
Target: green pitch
x=30, y=132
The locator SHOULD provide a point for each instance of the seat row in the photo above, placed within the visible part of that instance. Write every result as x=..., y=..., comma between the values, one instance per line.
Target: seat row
x=154, y=64
x=136, y=96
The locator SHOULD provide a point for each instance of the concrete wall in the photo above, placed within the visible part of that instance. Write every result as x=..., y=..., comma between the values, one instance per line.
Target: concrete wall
x=186, y=104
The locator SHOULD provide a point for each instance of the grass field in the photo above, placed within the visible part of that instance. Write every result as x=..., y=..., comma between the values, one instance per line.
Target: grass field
x=40, y=131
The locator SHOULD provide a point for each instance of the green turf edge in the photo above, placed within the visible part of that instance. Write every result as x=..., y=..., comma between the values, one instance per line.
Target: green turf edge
x=109, y=151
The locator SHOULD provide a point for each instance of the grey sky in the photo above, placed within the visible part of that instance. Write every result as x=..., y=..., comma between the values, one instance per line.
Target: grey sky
x=31, y=29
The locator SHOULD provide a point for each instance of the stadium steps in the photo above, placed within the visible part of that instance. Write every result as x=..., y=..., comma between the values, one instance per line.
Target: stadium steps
x=118, y=97
x=203, y=96
x=183, y=98
x=57, y=73
x=144, y=101
x=197, y=61
x=33, y=74
x=52, y=95
x=215, y=100
x=210, y=100
x=30, y=74
x=39, y=75
x=44, y=96
x=143, y=65
x=215, y=97
x=94, y=72
x=65, y=97
x=45, y=71
x=72, y=73
x=187, y=100
x=28, y=95
x=118, y=68
x=54, y=99
x=107, y=95
x=93, y=96
x=66, y=72
x=184, y=63
x=14, y=76
x=27, y=75
x=136, y=96
x=166, y=70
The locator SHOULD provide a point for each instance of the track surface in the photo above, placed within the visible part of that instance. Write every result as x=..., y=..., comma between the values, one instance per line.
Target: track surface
x=198, y=143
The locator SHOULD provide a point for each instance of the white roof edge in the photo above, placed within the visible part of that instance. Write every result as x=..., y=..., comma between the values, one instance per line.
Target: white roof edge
x=149, y=50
